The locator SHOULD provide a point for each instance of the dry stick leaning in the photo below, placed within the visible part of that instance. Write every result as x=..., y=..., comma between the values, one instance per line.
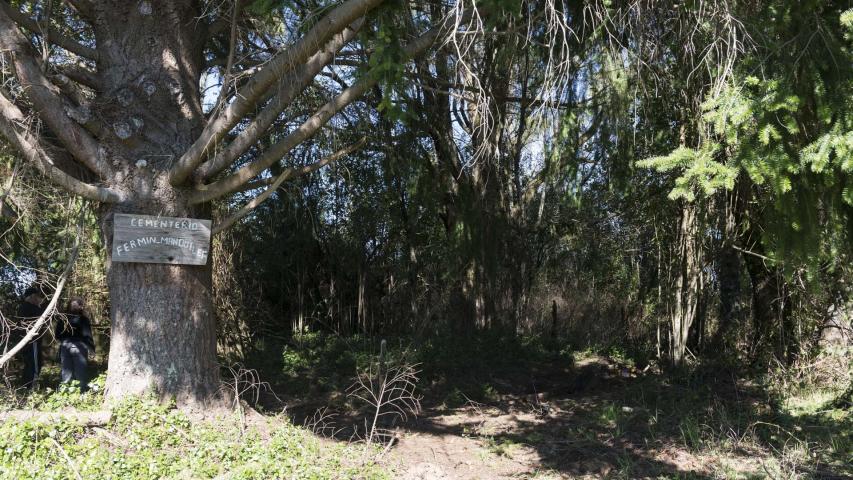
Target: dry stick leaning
x=51, y=307
x=68, y=460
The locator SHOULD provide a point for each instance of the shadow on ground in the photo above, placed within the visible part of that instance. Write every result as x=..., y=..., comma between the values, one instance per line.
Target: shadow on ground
x=594, y=418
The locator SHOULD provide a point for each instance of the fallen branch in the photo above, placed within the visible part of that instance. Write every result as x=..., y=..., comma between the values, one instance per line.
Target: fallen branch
x=84, y=419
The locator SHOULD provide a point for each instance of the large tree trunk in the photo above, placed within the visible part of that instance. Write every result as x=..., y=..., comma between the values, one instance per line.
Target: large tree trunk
x=163, y=333
x=163, y=327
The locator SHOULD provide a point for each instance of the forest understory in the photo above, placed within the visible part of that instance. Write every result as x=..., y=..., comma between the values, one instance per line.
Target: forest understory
x=548, y=414
x=426, y=239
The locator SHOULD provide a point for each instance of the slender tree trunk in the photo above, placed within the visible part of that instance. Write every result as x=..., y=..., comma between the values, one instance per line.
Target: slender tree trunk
x=729, y=265
x=728, y=275
x=686, y=283
x=361, y=315
x=770, y=297
x=771, y=312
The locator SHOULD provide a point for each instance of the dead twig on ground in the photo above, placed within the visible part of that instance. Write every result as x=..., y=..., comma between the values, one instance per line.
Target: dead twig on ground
x=68, y=460
x=320, y=423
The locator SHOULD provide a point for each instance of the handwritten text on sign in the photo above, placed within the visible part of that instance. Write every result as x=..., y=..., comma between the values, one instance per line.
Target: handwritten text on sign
x=147, y=239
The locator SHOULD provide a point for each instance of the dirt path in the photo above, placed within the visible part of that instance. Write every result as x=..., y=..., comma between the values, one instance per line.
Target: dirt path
x=453, y=453
x=576, y=425
x=601, y=418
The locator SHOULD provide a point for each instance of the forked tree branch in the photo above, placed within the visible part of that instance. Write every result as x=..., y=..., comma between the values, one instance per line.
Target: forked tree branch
x=54, y=36
x=48, y=100
x=308, y=128
x=288, y=88
x=248, y=96
x=289, y=173
x=12, y=126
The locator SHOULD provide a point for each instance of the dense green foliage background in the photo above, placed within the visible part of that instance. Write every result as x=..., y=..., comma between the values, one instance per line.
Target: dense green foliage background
x=667, y=184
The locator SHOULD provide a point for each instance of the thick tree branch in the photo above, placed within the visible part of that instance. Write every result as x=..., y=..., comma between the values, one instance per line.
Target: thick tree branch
x=5, y=209
x=279, y=150
x=70, y=89
x=288, y=88
x=81, y=111
x=289, y=173
x=12, y=127
x=54, y=36
x=48, y=100
x=263, y=182
x=81, y=75
x=305, y=131
x=248, y=95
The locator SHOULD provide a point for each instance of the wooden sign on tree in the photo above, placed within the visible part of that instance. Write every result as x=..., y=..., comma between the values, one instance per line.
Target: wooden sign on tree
x=148, y=239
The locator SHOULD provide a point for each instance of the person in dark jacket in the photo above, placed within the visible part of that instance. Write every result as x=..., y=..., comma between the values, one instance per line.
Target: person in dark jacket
x=29, y=310
x=74, y=333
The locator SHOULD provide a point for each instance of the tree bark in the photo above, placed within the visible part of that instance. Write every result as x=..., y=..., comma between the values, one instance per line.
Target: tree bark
x=729, y=266
x=163, y=327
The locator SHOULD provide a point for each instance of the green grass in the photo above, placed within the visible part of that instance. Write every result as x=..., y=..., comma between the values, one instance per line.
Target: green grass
x=147, y=440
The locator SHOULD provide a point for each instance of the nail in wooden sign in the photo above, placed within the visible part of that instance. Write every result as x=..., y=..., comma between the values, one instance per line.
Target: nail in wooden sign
x=148, y=239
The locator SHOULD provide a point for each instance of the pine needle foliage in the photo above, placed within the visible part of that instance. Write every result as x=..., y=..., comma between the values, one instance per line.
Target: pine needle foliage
x=784, y=120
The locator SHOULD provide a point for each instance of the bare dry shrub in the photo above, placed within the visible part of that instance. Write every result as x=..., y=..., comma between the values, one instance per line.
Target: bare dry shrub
x=244, y=384
x=389, y=394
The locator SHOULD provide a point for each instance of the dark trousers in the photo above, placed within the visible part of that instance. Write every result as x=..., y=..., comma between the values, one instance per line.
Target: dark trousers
x=74, y=358
x=31, y=354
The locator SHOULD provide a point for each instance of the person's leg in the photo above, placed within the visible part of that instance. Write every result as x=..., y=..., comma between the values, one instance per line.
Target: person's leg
x=28, y=374
x=37, y=359
x=66, y=361
x=81, y=365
